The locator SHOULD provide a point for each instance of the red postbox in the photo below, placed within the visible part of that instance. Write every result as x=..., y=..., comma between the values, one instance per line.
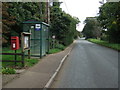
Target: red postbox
x=15, y=43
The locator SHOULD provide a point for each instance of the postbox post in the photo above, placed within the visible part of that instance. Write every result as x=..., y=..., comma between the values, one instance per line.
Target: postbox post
x=15, y=57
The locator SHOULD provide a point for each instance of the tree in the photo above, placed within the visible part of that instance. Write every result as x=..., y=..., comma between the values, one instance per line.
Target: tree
x=92, y=28
x=7, y=22
x=13, y=14
x=63, y=26
x=26, y=11
x=109, y=17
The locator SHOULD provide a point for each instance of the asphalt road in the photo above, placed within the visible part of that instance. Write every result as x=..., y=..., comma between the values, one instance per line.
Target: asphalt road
x=89, y=66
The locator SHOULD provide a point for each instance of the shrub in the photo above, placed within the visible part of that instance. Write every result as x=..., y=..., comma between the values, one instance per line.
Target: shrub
x=8, y=71
x=60, y=46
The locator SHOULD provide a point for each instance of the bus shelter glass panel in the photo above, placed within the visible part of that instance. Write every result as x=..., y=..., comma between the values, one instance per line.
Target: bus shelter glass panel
x=47, y=39
x=35, y=41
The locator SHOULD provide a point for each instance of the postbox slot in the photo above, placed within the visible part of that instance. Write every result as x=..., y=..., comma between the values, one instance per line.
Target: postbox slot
x=13, y=39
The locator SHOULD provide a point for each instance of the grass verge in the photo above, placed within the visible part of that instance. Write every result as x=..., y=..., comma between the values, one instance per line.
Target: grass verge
x=54, y=50
x=105, y=43
x=8, y=67
x=28, y=62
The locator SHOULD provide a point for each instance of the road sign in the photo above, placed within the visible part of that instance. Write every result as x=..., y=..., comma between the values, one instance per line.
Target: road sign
x=37, y=27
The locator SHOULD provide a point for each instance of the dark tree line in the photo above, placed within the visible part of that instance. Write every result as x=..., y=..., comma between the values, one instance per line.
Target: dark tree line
x=14, y=13
x=62, y=25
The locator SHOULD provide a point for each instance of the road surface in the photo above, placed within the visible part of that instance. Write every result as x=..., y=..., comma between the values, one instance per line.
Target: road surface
x=89, y=66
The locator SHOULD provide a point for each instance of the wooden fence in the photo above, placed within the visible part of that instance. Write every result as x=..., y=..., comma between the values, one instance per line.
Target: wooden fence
x=20, y=54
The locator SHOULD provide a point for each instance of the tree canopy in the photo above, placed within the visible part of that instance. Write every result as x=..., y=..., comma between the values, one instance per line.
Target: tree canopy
x=107, y=23
x=13, y=14
x=92, y=28
x=63, y=25
x=109, y=17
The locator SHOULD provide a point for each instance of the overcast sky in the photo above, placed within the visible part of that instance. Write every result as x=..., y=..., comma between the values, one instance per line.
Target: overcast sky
x=81, y=9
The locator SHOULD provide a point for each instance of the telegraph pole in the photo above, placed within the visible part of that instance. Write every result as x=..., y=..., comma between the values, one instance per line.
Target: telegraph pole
x=48, y=11
x=41, y=14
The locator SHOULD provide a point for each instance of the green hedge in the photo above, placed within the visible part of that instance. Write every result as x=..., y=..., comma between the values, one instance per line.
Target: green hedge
x=58, y=48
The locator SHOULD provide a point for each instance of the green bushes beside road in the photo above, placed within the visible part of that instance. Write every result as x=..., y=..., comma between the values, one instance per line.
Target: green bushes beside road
x=8, y=71
x=58, y=48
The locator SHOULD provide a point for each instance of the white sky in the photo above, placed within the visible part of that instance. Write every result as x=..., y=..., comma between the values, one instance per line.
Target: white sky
x=81, y=9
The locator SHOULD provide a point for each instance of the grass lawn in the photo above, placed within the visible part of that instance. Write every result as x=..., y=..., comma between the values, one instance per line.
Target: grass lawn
x=105, y=43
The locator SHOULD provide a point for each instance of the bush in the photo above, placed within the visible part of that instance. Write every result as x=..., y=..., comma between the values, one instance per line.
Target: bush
x=104, y=37
x=8, y=71
x=60, y=46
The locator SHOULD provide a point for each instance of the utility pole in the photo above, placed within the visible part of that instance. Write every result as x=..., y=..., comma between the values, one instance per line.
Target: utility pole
x=48, y=11
x=41, y=14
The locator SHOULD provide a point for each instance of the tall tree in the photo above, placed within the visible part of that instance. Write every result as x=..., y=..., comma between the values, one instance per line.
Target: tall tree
x=14, y=13
x=63, y=26
x=92, y=28
x=7, y=22
x=109, y=17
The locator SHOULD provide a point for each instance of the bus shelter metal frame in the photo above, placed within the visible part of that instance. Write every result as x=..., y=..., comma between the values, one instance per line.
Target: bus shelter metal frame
x=33, y=22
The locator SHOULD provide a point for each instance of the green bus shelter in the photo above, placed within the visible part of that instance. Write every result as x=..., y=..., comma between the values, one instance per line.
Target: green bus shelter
x=39, y=39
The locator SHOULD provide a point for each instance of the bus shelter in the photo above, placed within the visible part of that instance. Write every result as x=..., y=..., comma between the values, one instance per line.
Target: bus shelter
x=39, y=38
